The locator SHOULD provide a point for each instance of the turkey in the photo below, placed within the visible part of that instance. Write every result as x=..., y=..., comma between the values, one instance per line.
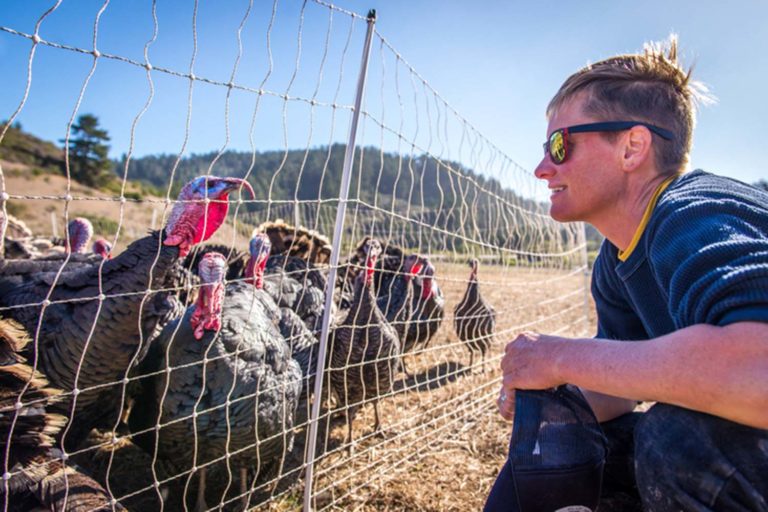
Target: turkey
x=474, y=319
x=428, y=303
x=428, y=310
x=395, y=298
x=293, y=299
x=86, y=343
x=38, y=478
x=79, y=233
x=364, y=349
x=228, y=385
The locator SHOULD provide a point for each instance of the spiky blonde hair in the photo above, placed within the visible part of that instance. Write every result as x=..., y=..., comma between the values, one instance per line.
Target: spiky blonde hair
x=651, y=86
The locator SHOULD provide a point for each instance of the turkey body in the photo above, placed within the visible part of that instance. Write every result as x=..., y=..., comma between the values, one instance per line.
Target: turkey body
x=364, y=355
x=234, y=391
x=84, y=343
x=428, y=314
x=475, y=319
x=298, y=285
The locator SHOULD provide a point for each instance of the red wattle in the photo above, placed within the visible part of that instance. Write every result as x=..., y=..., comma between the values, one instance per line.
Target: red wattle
x=216, y=213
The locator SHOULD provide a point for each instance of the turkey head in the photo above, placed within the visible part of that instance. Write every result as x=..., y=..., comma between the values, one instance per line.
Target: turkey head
x=426, y=278
x=259, y=248
x=200, y=210
x=372, y=252
x=102, y=248
x=79, y=233
x=207, y=315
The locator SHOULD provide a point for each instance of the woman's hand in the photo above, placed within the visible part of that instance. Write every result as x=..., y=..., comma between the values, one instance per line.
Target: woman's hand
x=506, y=404
x=531, y=362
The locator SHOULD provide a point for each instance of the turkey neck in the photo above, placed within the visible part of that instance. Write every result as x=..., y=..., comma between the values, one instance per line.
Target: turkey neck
x=397, y=302
x=364, y=302
x=473, y=289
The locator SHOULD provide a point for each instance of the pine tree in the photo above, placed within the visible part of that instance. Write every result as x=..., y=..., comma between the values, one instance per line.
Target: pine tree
x=88, y=160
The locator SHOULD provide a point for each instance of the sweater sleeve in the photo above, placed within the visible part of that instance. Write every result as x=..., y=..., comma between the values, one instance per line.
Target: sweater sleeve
x=711, y=257
x=616, y=318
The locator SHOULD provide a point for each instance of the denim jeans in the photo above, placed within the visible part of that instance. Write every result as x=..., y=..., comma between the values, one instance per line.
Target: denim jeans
x=673, y=459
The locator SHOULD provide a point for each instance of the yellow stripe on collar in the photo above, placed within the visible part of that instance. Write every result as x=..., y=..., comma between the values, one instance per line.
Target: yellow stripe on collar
x=624, y=255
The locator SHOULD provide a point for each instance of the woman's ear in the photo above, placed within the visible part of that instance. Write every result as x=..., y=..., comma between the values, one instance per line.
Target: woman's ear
x=637, y=148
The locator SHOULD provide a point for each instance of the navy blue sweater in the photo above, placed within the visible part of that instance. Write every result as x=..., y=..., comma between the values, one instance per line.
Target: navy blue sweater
x=702, y=258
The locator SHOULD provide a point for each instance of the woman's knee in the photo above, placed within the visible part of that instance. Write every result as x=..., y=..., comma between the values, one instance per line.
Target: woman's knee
x=692, y=461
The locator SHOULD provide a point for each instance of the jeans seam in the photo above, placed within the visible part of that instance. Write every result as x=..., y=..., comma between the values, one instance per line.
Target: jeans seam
x=726, y=480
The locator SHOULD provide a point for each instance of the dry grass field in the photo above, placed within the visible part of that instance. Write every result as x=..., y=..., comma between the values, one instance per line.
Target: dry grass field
x=442, y=442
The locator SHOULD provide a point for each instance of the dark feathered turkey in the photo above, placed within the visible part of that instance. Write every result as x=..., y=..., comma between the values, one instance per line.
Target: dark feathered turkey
x=394, y=296
x=85, y=346
x=234, y=372
x=364, y=349
x=38, y=478
x=297, y=289
x=428, y=308
x=427, y=304
x=474, y=318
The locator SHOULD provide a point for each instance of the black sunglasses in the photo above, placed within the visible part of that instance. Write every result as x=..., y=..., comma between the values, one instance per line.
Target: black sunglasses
x=557, y=145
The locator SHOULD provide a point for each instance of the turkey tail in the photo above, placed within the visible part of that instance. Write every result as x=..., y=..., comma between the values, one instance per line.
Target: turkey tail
x=56, y=486
x=297, y=241
x=13, y=339
x=33, y=427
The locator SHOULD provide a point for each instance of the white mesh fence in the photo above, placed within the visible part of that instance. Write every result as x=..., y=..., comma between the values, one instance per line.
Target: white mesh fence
x=164, y=420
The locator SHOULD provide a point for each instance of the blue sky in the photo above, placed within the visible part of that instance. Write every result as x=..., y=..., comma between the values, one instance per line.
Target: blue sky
x=497, y=63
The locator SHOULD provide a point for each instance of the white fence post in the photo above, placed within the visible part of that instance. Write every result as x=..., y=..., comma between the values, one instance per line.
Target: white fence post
x=335, y=251
x=54, y=226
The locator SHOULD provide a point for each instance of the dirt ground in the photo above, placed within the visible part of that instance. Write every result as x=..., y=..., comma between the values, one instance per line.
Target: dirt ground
x=441, y=442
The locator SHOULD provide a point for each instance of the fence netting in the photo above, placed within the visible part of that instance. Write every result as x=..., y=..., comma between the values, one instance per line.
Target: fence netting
x=160, y=375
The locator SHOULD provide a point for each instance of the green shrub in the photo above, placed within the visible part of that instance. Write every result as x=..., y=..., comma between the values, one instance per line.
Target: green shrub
x=17, y=209
x=102, y=226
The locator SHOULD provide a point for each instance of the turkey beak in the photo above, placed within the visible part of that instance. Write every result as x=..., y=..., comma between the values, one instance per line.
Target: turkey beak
x=230, y=184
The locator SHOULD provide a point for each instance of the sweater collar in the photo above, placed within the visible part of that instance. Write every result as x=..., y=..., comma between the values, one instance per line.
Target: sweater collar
x=625, y=254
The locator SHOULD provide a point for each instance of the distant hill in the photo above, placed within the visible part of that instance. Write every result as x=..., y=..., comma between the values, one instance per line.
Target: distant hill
x=23, y=148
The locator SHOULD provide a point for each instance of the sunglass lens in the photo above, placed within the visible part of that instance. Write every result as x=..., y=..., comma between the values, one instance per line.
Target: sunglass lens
x=557, y=146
